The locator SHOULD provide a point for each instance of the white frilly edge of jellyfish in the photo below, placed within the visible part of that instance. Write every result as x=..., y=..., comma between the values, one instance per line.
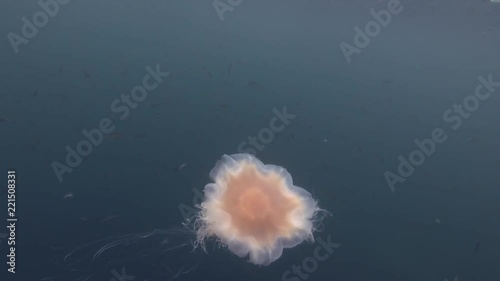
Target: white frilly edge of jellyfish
x=234, y=163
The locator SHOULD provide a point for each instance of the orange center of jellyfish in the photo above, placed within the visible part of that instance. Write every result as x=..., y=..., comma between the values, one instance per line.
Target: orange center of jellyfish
x=254, y=204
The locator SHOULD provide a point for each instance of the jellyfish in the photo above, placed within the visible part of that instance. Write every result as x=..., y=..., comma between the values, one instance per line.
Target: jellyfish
x=254, y=209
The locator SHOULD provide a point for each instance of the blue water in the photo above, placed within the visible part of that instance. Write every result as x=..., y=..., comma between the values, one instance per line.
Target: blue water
x=229, y=73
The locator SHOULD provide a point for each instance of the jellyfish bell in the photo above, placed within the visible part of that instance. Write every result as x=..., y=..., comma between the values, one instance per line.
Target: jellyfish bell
x=254, y=209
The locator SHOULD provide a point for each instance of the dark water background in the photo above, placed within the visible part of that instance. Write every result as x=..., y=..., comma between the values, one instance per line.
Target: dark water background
x=352, y=122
